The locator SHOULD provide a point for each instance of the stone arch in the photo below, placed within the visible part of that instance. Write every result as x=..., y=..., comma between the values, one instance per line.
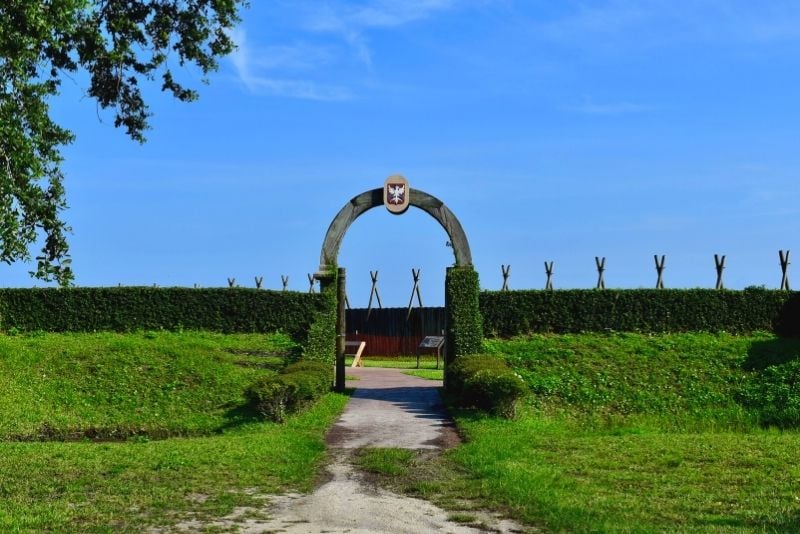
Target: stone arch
x=367, y=200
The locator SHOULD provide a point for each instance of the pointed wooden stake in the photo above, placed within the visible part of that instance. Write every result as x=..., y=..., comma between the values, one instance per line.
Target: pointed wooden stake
x=506, y=273
x=414, y=291
x=660, y=270
x=719, y=262
x=601, y=268
x=311, y=282
x=373, y=292
x=785, y=269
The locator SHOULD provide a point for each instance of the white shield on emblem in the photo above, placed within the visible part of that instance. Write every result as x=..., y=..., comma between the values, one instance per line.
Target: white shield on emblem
x=396, y=194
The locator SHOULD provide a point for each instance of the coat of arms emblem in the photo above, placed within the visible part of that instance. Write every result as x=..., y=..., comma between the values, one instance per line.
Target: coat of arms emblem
x=395, y=194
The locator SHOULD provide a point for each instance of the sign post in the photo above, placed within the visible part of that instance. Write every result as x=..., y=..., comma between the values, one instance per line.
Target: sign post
x=431, y=342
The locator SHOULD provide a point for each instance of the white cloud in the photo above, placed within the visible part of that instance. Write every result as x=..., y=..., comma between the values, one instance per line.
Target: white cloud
x=253, y=68
x=351, y=22
x=288, y=69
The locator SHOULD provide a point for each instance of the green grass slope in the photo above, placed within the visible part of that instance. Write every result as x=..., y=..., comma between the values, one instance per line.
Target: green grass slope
x=638, y=433
x=672, y=381
x=112, y=386
x=80, y=413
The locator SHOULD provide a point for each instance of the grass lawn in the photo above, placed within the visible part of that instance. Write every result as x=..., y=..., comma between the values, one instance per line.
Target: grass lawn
x=398, y=362
x=113, y=396
x=630, y=433
x=109, y=385
x=428, y=374
x=550, y=473
x=129, y=486
x=427, y=365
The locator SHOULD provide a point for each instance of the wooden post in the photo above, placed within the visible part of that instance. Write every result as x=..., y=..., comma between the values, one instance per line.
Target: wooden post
x=548, y=269
x=601, y=268
x=415, y=290
x=285, y=281
x=506, y=273
x=341, y=329
x=311, y=281
x=259, y=281
x=373, y=291
x=785, y=269
x=660, y=270
x=719, y=262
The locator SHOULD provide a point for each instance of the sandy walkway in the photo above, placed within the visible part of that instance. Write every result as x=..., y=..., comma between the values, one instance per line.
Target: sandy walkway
x=392, y=409
x=388, y=409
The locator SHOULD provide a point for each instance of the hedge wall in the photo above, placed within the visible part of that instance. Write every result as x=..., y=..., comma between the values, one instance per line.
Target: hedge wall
x=320, y=337
x=464, y=325
x=144, y=308
x=507, y=313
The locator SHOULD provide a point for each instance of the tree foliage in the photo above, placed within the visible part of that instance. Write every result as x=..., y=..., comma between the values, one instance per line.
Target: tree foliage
x=121, y=44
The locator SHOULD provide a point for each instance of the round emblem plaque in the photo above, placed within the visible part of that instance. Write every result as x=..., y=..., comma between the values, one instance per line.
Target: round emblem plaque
x=396, y=193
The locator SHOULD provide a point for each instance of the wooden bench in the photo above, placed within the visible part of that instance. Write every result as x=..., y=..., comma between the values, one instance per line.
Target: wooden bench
x=359, y=349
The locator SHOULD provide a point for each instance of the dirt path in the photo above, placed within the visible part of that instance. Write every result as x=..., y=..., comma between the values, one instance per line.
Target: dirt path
x=388, y=409
x=392, y=409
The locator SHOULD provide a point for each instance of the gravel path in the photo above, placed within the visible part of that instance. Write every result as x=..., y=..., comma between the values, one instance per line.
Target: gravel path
x=392, y=409
x=388, y=409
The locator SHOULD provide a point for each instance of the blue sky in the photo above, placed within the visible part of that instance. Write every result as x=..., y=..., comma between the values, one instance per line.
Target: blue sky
x=554, y=131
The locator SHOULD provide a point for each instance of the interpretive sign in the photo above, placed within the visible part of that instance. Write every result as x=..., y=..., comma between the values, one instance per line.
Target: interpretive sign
x=431, y=342
x=396, y=193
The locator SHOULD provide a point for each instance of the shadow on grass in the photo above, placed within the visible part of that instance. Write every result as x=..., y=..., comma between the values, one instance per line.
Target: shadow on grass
x=787, y=324
x=784, y=349
x=771, y=386
x=238, y=416
x=763, y=354
x=245, y=414
x=786, y=523
x=789, y=522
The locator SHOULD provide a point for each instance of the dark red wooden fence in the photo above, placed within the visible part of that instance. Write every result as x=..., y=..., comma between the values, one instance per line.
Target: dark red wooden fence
x=393, y=331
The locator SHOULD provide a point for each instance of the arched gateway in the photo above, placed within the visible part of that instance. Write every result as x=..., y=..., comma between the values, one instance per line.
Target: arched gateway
x=396, y=195
x=367, y=200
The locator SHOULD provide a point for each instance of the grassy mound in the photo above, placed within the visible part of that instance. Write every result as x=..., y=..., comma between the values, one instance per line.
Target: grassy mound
x=105, y=386
x=673, y=381
x=113, y=386
x=636, y=433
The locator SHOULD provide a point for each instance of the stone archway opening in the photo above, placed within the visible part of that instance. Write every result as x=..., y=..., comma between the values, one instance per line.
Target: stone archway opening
x=397, y=196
